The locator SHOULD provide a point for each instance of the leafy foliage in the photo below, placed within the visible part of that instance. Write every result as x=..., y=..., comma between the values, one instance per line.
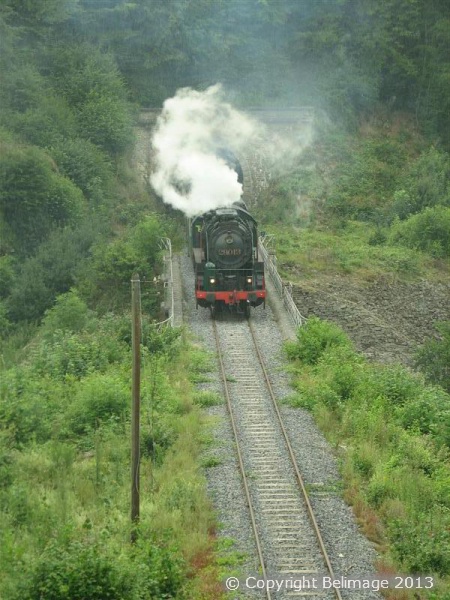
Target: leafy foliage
x=434, y=357
x=92, y=87
x=314, y=338
x=87, y=166
x=426, y=184
x=428, y=231
x=34, y=198
x=395, y=430
x=41, y=277
x=69, y=313
x=76, y=572
x=100, y=398
x=107, y=278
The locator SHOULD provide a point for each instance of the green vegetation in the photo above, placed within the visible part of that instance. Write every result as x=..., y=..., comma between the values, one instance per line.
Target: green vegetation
x=392, y=431
x=64, y=466
x=367, y=204
x=369, y=197
x=349, y=250
x=433, y=358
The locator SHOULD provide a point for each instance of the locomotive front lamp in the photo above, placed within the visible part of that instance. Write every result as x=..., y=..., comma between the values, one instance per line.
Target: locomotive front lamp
x=249, y=279
x=212, y=280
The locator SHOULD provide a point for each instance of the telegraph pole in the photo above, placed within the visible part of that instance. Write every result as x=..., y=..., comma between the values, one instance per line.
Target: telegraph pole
x=136, y=400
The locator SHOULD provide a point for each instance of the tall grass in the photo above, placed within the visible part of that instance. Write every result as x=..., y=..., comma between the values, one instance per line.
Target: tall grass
x=393, y=435
x=65, y=469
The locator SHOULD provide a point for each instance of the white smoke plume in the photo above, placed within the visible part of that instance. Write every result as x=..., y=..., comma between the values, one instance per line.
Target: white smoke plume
x=191, y=131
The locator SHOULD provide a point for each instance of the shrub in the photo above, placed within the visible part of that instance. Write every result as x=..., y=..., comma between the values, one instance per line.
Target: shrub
x=425, y=185
x=69, y=314
x=75, y=572
x=380, y=488
x=428, y=413
x=34, y=197
x=206, y=398
x=161, y=341
x=320, y=393
x=433, y=358
x=45, y=124
x=71, y=354
x=5, y=323
x=107, y=281
x=339, y=366
x=393, y=383
x=100, y=398
x=314, y=338
x=159, y=571
x=428, y=231
x=7, y=459
x=87, y=166
x=26, y=405
x=419, y=552
x=106, y=122
x=7, y=274
x=42, y=277
x=93, y=88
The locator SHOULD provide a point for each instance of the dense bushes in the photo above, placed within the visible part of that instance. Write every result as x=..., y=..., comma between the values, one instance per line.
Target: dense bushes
x=425, y=184
x=428, y=231
x=66, y=126
x=433, y=358
x=79, y=570
x=64, y=462
x=314, y=339
x=396, y=433
x=106, y=279
x=76, y=572
x=91, y=84
x=51, y=271
x=88, y=167
x=34, y=197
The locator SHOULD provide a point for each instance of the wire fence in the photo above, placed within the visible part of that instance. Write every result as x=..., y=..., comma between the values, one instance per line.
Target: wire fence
x=284, y=290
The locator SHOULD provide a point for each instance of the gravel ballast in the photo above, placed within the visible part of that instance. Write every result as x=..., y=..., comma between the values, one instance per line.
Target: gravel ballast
x=352, y=555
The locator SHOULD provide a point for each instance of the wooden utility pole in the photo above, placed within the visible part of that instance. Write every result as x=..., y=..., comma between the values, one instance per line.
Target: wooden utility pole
x=136, y=401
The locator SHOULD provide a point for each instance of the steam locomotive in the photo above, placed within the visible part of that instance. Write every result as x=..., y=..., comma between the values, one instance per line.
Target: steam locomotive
x=228, y=271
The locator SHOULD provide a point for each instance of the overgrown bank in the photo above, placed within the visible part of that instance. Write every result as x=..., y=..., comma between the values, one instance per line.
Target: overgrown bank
x=391, y=431
x=361, y=229
x=65, y=468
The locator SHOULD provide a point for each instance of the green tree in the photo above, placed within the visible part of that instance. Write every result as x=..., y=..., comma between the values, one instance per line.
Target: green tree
x=34, y=197
x=52, y=271
x=427, y=183
x=92, y=86
x=70, y=313
x=428, y=231
x=88, y=167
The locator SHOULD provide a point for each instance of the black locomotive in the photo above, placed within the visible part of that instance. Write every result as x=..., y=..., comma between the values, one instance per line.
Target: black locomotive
x=228, y=271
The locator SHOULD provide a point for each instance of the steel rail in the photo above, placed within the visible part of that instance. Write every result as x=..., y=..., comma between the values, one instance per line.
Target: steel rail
x=241, y=462
x=300, y=481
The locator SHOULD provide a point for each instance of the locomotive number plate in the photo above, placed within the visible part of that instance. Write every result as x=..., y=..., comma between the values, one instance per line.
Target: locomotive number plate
x=229, y=251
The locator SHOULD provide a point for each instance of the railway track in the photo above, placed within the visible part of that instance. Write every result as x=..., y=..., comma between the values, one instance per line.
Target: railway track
x=288, y=540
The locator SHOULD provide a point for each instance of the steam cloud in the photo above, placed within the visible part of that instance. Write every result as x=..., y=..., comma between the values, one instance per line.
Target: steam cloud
x=191, y=130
